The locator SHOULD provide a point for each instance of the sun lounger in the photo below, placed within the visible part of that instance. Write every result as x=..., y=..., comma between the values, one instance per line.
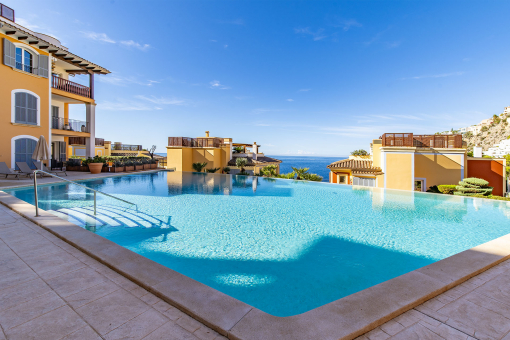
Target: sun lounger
x=38, y=166
x=25, y=169
x=4, y=170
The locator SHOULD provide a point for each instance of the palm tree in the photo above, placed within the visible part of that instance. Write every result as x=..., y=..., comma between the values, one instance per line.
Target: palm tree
x=300, y=172
x=241, y=163
x=199, y=166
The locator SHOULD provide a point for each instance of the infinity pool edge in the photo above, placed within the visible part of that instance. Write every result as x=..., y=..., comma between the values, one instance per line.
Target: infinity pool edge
x=345, y=318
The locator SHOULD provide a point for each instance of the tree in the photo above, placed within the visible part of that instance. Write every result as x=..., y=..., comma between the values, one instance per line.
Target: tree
x=199, y=166
x=151, y=151
x=473, y=186
x=241, y=163
x=238, y=149
x=269, y=171
x=300, y=172
x=359, y=152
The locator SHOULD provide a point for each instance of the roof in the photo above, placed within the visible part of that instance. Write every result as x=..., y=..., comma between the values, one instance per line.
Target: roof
x=50, y=45
x=252, y=162
x=358, y=167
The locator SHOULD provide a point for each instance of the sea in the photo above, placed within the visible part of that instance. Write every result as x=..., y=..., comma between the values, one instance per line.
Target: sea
x=317, y=165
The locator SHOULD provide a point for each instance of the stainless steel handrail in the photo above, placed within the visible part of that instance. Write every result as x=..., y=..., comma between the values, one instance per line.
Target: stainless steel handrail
x=66, y=180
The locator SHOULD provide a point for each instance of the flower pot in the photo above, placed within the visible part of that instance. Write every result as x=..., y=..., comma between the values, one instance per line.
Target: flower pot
x=84, y=168
x=146, y=166
x=138, y=167
x=95, y=168
x=130, y=168
x=118, y=169
x=110, y=163
x=105, y=168
x=154, y=166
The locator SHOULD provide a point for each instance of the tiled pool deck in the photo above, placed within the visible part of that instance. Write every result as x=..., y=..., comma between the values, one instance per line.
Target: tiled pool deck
x=51, y=290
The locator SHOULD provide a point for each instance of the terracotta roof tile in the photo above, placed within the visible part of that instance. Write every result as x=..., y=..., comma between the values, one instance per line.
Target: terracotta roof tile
x=358, y=167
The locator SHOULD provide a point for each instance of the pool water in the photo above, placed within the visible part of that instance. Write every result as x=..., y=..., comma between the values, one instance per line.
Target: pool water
x=282, y=246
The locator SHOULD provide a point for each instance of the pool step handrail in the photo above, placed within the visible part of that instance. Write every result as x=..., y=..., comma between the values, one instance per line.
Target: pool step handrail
x=66, y=180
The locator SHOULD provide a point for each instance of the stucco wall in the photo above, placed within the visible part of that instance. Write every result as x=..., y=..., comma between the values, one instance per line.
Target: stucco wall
x=491, y=170
x=438, y=168
x=399, y=171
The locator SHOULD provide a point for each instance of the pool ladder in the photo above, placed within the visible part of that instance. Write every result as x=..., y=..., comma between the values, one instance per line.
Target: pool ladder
x=66, y=180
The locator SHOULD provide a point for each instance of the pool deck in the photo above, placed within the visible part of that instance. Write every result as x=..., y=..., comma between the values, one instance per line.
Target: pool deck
x=51, y=290
x=58, y=280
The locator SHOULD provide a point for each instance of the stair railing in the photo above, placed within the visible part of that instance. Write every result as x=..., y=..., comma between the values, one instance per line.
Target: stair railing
x=66, y=180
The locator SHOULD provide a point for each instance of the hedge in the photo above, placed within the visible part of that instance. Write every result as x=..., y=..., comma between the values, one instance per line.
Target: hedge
x=475, y=181
x=447, y=189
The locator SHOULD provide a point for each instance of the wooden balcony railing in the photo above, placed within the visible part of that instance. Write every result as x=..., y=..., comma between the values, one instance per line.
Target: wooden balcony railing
x=203, y=142
x=68, y=86
x=422, y=141
x=82, y=140
x=126, y=147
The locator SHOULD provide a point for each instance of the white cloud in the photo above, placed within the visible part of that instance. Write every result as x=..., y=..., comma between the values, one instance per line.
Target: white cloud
x=215, y=84
x=161, y=100
x=347, y=24
x=134, y=44
x=225, y=46
x=114, y=79
x=98, y=36
x=125, y=106
x=441, y=75
x=290, y=100
x=317, y=35
x=25, y=23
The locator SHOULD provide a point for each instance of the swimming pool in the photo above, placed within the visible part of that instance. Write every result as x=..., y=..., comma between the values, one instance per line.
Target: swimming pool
x=282, y=246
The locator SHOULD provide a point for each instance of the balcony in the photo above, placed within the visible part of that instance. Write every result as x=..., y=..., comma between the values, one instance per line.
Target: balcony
x=70, y=87
x=82, y=140
x=126, y=147
x=205, y=142
x=422, y=141
x=69, y=124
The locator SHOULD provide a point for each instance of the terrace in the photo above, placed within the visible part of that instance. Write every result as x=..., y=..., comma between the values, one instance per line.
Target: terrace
x=67, y=124
x=423, y=141
x=126, y=147
x=68, y=86
x=201, y=142
x=82, y=140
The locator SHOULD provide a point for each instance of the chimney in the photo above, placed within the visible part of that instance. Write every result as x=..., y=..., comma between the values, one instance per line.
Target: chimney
x=207, y=133
x=477, y=151
x=255, y=150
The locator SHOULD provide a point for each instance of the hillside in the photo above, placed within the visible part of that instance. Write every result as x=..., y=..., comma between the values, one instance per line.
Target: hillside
x=489, y=135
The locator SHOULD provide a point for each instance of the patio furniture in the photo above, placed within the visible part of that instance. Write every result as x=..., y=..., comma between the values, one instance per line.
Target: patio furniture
x=25, y=169
x=4, y=170
x=44, y=168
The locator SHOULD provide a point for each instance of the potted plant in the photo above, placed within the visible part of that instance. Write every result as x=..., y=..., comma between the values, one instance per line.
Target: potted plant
x=129, y=165
x=146, y=163
x=95, y=166
x=73, y=164
x=85, y=164
x=118, y=166
x=154, y=164
x=226, y=170
x=110, y=160
x=138, y=165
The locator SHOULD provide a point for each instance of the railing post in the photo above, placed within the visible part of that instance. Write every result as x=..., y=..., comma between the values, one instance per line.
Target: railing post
x=95, y=203
x=35, y=194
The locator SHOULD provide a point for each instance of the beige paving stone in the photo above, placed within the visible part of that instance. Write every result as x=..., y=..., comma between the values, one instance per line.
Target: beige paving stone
x=221, y=337
x=489, y=303
x=91, y=294
x=53, y=325
x=112, y=310
x=161, y=306
x=84, y=333
x=76, y=281
x=431, y=321
x=150, y=299
x=170, y=331
x=188, y=323
x=29, y=310
x=61, y=270
x=17, y=277
x=139, y=292
x=18, y=294
x=417, y=332
x=446, y=332
x=377, y=334
x=47, y=262
x=477, y=317
x=139, y=327
x=392, y=327
x=205, y=333
x=408, y=318
x=173, y=313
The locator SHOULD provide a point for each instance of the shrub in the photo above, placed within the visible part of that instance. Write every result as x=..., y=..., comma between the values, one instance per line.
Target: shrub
x=269, y=171
x=290, y=175
x=312, y=177
x=241, y=163
x=213, y=170
x=359, y=152
x=473, y=186
x=447, y=189
x=468, y=134
x=238, y=149
x=243, y=173
x=226, y=170
x=199, y=166
x=434, y=189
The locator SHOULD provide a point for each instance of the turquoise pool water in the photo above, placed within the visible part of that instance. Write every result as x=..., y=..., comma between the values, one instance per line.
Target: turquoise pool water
x=282, y=246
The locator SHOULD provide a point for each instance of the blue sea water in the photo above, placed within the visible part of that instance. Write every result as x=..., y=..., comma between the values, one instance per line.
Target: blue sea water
x=282, y=246
x=317, y=165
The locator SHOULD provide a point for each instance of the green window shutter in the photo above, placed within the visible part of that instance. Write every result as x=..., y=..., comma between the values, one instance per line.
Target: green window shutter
x=43, y=66
x=9, y=53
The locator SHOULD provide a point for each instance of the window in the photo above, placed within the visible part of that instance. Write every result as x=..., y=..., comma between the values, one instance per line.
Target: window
x=364, y=181
x=418, y=185
x=23, y=150
x=25, y=108
x=342, y=180
x=24, y=60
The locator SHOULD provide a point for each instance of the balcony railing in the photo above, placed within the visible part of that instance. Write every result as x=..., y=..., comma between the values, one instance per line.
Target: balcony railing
x=206, y=142
x=7, y=12
x=126, y=147
x=69, y=124
x=82, y=141
x=68, y=86
x=422, y=141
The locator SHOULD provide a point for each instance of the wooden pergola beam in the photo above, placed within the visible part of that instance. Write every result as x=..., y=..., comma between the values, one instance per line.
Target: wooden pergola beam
x=10, y=32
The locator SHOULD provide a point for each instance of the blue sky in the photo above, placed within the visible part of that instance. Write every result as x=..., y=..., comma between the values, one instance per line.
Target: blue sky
x=298, y=77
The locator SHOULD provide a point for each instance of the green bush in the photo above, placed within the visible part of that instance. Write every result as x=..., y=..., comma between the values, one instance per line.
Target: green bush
x=434, y=189
x=213, y=170
x=475, y=181
x=243, y=173
x=198, y=166
x=312, y=177
x=359, y=152
x=473, y=186
x=447, y=189
x=226, y=170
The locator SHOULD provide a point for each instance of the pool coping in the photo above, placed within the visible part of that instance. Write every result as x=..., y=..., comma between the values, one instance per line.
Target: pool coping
x=345, y=318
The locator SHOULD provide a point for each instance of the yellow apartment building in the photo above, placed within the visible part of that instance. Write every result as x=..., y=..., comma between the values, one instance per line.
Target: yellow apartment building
x=36, y=92
x=405, y=161
x=217, y=152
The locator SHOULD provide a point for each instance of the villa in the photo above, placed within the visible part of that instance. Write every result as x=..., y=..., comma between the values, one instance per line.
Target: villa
x=217, y=152
x=416, y=162
x=36, y=92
